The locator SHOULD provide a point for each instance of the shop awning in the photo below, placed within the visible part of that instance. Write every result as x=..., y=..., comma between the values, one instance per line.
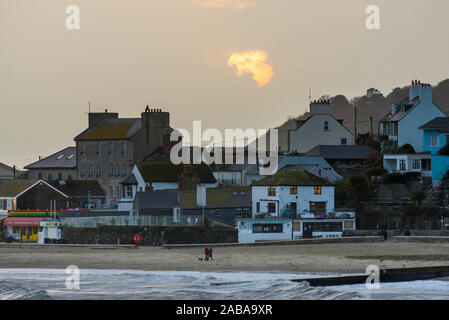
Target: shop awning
x=23, y=221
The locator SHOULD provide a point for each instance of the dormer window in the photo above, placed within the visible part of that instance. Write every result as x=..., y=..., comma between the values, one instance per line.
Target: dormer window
x=326, y=125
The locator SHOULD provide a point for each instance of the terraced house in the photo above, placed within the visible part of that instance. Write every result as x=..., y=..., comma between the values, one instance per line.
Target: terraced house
x=110, y=147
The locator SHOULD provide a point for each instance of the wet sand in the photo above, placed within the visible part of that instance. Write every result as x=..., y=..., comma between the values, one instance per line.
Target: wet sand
x=319, y=258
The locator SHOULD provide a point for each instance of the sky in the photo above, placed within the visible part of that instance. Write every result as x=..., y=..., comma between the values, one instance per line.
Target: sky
x=228, y=63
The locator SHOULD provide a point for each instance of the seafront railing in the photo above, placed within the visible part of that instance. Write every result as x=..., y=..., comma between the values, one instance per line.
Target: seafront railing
x=94, y=222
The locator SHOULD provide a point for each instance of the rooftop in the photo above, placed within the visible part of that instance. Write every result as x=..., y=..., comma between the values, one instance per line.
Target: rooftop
x=441, y=123
x=292, y=176
x=111, y=129
x=228, y=197
x=12, y=188
x=79, y=188
x=169, y=172
x=65, y=159
x=342, y=151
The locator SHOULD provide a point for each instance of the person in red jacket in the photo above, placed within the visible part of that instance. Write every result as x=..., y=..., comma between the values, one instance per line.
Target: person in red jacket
x=206, y=253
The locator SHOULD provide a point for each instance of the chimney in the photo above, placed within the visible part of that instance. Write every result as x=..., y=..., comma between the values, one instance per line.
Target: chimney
x=425, y=92
x=414, y=90
x=320, y=107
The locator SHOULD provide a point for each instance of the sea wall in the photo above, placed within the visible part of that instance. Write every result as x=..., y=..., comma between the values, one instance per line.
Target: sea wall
x=396, y=233
x=150, y=236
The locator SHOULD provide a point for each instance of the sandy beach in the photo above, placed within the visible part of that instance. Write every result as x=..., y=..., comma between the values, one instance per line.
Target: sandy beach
x=332, y=258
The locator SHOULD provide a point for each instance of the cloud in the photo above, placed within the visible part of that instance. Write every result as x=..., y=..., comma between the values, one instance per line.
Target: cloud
x=233, y=4
x=253, y=62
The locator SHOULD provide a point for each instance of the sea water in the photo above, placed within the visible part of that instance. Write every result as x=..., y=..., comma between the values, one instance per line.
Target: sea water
x=32, y=284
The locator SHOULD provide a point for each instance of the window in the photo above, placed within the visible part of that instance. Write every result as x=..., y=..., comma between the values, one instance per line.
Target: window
x=257, y=207
x=317, y=190
x=318, y=207
x=111, y=169
x=291, y=207
x=117, y=170
x=293, y=189
x=344, y=141
x=83, y=149
x=402, y=165
x=124, y=170
x=59, y=176
x=123, y=148
x=326, y=125
x=267, y=228
x=446, y=139
x=117, y=192
x=348, y=225
x=433, y=141
x=40, y=175
x=271, y=191
x=83, y=170
x=326, y=226
x=111, y=193
x=128, y=191
x=271, y=207
x=98, y=170
x=49, y=177
x=99, y=148
x=416, y=164
x=91, y=170
x=111, y=148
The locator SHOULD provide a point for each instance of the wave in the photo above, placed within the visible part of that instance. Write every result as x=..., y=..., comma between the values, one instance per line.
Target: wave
x=12, y=291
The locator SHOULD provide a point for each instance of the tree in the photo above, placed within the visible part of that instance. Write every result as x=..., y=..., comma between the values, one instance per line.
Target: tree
x=407, y=148
x=418, y=197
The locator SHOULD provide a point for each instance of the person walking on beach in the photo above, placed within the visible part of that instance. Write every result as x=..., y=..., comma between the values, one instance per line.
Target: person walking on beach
x=206, y=254
x=211, y=249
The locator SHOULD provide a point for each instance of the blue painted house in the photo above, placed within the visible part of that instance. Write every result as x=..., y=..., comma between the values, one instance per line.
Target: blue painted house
x=436, y=136
x=400, y=125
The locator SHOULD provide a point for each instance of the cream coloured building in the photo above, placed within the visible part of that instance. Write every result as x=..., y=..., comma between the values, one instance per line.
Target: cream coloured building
x=320, y=128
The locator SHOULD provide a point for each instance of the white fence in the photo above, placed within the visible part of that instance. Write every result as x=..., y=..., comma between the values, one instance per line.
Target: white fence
x=93, y=222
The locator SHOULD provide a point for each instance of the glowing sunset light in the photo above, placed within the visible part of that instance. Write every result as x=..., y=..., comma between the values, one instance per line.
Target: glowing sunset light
x=254, y=62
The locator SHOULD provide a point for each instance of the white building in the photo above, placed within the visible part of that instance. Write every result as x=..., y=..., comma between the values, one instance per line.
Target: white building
x=291, y=204
x=400, y=125
x=320, y=128
x=159, y=176
x=402, y=163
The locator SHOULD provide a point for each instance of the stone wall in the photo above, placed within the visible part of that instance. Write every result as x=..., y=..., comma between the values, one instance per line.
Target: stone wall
x=150, y=236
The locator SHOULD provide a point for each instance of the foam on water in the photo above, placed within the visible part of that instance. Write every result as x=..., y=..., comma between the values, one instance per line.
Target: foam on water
x=134, y=284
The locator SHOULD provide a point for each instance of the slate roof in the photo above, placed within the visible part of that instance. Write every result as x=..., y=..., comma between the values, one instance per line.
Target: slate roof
x=341, y=151
x=156, y=200
x=79, y=188
x=130, y=180
x=292, y=176
x=111, y=129
x=402, y=109
x=437, y=123
x=12, y=188
x=64, y=159
x=169, y=172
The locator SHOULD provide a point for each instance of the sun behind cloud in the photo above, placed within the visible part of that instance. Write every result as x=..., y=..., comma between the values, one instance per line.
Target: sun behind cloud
x=253, y=62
